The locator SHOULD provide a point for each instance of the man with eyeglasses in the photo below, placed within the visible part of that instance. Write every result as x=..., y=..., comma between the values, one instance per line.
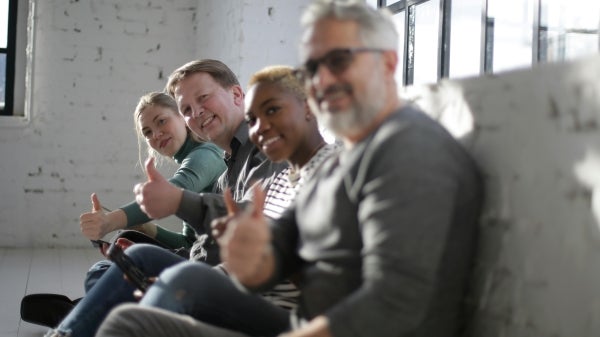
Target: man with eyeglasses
x=381, y=242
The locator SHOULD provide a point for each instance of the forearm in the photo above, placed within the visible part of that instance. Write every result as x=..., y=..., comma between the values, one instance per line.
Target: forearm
x=190, y=209
x=172, y=239
x=133, y=215
x=117, y=219
x=199, y=210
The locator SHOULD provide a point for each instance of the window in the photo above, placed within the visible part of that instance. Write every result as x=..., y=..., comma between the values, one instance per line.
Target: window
x=373, y=3
x=419, y=28
x=466, y=37
x=568, y=29
x=399, y=22
x=8, y=10
x=426, y=41
x=13, y=59
x=444, y=38
x=511, y=25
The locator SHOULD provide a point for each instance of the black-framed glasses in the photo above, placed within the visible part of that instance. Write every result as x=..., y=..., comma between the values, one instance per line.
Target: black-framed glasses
x=336, y=60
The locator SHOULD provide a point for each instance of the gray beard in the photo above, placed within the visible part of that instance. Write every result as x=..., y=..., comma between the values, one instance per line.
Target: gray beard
x=355, y=119
x=360, y=115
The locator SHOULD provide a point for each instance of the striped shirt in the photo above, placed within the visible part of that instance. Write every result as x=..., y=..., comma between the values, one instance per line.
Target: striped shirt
x=282, y=192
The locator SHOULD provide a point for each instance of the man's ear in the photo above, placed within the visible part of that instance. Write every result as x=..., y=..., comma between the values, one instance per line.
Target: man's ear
x=238, y=95
x=390, y=61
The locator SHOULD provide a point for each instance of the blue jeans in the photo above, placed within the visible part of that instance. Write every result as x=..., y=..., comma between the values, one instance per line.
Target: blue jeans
x=95, y=273
x=198, y=290
x=112, y=289
x=99, y=268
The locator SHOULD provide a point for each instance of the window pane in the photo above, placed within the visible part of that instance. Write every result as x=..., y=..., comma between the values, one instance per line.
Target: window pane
x=372, y=3
x=426, y=42
x=511, y=22
x=3, y=24
x=399, y=21
x=569, y=29
x=391, y=2
x=465, y=38
x=2, y=80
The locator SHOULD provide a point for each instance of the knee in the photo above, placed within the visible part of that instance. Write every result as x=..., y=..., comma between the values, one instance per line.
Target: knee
x=100, y=266
x=152, y=257
x=122, y=321
x=141, y=250
x=191, y=275
x=94, y=273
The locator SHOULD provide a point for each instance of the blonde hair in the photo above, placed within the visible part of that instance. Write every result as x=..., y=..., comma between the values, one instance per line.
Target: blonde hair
x=218, y=70
x=280, y=75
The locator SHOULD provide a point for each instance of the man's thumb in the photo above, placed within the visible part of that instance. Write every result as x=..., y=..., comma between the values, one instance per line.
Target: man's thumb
x=232, y=207
x=151, y=171
x=258, y=200
x=96, y=206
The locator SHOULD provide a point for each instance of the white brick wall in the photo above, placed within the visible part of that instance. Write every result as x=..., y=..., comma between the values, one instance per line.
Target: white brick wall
x=92, y=61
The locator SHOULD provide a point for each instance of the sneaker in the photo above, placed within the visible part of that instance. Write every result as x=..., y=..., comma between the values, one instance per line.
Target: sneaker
x=46, y=309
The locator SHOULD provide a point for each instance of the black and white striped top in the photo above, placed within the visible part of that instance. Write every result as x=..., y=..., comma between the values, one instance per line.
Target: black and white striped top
x=280, y=195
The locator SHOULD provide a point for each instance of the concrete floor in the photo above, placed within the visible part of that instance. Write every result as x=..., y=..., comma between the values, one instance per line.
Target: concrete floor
x=29, y=271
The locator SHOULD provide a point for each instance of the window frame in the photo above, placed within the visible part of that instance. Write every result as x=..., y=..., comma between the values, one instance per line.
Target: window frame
x=22, y=104
x=408, y=8
x=10, y=51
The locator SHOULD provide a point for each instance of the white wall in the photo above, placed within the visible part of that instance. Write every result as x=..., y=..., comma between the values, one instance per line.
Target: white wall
x=536, y=134
x=91, y=62
x=249, y=34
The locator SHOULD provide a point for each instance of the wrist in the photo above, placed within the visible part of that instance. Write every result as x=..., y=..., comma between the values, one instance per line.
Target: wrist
x=116, y=220
x=177, y=196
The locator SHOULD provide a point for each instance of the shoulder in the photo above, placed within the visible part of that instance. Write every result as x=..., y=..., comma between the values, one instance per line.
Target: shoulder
x=206, y=148
x=411, y=140
x=204, y=155
x=410, y=129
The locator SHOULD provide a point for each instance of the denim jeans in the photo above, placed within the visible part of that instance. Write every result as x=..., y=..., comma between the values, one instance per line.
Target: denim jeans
x=203, y=292
x=99, y=268
x=112, y=289
x=95, y=273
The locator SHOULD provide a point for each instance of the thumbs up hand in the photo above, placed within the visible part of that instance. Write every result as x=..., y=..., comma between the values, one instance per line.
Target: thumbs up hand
x=246, y=241
x=151, y=171
x=157, y=197
x=95, y=224
x=219, y=225
x=96, y=206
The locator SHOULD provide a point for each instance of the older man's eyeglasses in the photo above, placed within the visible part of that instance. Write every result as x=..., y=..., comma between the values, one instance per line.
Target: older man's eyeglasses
x=337, y=61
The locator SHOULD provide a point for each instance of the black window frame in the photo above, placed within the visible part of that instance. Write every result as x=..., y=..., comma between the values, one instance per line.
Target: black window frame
x=10, y=52
x=408, y=7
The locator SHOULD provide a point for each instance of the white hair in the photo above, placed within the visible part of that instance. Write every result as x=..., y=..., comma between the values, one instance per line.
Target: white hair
x=376, y=27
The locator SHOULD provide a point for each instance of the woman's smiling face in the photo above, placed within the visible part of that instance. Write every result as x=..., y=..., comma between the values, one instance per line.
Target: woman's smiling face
x=163, y=129
x=277, y=121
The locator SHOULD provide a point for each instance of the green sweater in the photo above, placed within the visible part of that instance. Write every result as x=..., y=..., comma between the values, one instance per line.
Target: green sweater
x=200, y=165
